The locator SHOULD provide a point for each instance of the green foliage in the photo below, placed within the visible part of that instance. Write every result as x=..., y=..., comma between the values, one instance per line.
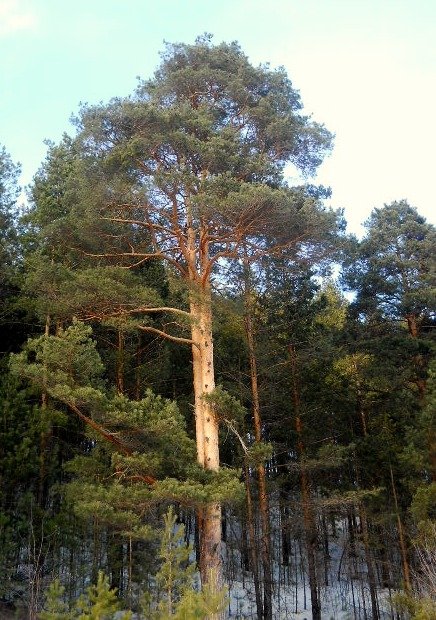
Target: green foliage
x=67, y=366
x=419, y=452
x=28, y=470
x=176, y=595
x=334, y=313
x=175, y=592
x=175, y=574
x=202, y=487
x=149, y=436
x=226, y=407
x=417, y=608
x=99, y=603
x=14, y=315
x=423, y=507
x=198, y=152
x=55, y=608
x=9, y=192
x=258, y=453
x=392, y=268
x=107, y=293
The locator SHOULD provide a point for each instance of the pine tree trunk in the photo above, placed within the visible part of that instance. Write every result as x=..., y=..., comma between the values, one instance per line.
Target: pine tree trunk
x=261, y=474
x=311, y=544
x=115, y=557
x=44, y=436
x=325, y=533
x=309, y=524
x=206, y=424
x=421, y=383
x=286, y=547
x=120, y=363
x=401, y=537
x=369, y=565
x=138, y=369
x=206, y=432
x=252, y=543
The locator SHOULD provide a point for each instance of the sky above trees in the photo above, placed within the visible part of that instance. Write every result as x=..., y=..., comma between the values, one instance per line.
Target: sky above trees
x=365, y=69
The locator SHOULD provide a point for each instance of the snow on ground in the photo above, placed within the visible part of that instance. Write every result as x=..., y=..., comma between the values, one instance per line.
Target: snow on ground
x=346, y=597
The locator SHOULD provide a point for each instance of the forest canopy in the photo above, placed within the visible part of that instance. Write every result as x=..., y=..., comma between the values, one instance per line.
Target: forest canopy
x=198, y=419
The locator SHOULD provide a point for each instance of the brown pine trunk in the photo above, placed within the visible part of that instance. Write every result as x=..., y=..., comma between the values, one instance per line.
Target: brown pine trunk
x=412, y=325
x=309, y=523
x=421, y=384
x=401, y=537
x=252, y=544
x=261, y=474
x=44, y=436
x=120, y=363
x=369, y=564
x=138, y=369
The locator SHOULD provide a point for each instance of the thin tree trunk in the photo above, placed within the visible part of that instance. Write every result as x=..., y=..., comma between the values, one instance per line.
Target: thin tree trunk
x=252, y=544
x=369, y=565
x=421, y=383
x=138, y=369
x=45, y=435
x=402, y=541
x=286, y=550
x=115, y=556
x=261, y=474
x=120, y=363
x=308, y=516
x=325, y=534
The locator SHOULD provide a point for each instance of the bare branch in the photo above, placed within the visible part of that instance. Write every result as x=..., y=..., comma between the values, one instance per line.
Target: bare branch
x=159, y=332
x=109, y=436
x=163, y=309
x=143, y=258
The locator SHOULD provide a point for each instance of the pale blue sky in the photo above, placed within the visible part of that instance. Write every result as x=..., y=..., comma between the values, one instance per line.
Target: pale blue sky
x=365, y=68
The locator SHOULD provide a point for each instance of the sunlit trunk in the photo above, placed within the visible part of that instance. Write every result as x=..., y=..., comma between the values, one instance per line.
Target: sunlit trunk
x=206, y=432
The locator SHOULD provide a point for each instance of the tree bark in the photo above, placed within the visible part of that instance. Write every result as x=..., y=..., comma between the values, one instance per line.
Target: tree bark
x=401, y=537
x=206, y=424
x=120, y=363
x=310, y=533
x=206, y=432
x=369, y=565
x=261, y=474
x=44, y=436
x=252, y=543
